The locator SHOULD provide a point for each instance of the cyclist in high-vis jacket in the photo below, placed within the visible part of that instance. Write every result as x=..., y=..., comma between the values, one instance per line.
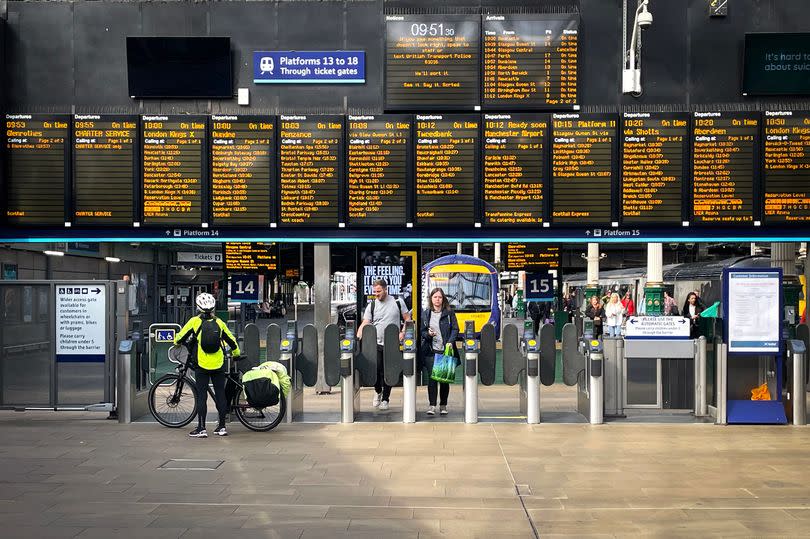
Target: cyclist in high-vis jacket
x=209, y=332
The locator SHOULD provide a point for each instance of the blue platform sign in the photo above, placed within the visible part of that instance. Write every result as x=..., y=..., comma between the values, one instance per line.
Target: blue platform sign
x=541, y=285
x=245, y=288
x=309, y=67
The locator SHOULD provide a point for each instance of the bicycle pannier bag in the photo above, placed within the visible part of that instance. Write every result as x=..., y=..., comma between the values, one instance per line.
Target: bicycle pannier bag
x=261, y=388
x=210, y=336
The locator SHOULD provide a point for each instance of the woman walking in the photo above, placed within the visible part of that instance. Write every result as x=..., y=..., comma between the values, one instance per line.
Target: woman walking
x=439, y=327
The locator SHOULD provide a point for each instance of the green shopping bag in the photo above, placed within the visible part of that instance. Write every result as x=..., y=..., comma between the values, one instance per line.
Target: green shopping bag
x=444, y=366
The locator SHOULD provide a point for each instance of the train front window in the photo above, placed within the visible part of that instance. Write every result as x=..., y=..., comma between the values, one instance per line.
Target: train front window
x=471, y=292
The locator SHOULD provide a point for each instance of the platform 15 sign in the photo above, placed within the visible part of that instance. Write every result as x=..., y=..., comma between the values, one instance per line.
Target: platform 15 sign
x=541, y=285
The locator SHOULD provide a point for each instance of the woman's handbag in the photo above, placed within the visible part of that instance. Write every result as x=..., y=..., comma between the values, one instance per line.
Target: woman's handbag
x=444, y=366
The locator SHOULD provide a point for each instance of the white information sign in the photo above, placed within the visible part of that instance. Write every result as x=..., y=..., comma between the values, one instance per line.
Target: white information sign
x=186, y=257
x=657, y=327
x=753, y=312
x=81, y=322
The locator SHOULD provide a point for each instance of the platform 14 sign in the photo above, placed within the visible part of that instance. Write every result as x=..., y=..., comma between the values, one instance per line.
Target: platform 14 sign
x=245, y=288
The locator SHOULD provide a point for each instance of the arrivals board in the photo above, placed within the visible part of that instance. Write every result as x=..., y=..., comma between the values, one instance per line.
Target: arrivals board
x=378, y=163
x=530, y=60
x=310, y=170
x=432, y=61
x=725, y=165
x=514, y=168
x=174, y=169
x=104, y=165
x=787, y=167
x=655, y=158
x=251, y=257
x=532, y=256
x=446, y=168
x=37, y=157
x=242, y=169
x=583, y=157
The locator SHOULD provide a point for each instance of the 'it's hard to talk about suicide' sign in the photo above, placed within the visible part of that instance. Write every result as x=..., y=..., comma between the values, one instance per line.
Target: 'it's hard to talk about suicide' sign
x=316, y=67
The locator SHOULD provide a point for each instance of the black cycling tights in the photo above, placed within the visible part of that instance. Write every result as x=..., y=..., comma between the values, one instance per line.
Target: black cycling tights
x=217, y=377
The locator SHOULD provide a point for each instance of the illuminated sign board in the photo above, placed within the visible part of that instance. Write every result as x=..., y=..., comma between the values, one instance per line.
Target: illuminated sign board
x=787, y=167
x=251, y=257
x=319, y=67
x=532, y=256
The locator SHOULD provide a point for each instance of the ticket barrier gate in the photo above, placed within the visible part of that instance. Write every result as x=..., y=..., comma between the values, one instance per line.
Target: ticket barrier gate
x=575, y=362
x=529, y=360
x=350, y=363
x=400, y=361
x=796, y=401
x=479, y=360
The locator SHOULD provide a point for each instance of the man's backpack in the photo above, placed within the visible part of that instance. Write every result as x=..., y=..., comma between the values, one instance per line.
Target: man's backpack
x=210, y=336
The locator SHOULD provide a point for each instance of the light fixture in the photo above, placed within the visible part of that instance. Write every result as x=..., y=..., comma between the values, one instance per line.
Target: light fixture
x=54, y=253
x=631, y=72
x=112, y=259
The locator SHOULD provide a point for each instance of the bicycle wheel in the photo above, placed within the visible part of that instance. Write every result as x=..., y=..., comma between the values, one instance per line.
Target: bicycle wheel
x=260, y=420
x=173, y=401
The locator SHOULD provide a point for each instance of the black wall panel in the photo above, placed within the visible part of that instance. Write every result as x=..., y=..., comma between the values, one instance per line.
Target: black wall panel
x=600, y=38
x=365, y=30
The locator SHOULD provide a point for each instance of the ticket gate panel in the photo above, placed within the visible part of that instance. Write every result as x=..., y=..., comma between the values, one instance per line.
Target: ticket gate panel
x=803, y=334
x=365, y=362
x=331, y=355
x=392, y=355
x=250, y=348
x=548, y=355
x=573, y=360
x=307, y=363
x=273, y=342
x=513, y=360
x=486, y=355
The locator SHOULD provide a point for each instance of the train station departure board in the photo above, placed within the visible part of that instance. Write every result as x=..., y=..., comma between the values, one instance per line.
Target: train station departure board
x=532, y=256
x=725, y=165
x=787, y=167
x=432, y=61
x=174, y=165
x=37, y=157
x=242, y=167
x=530, y=60
x=311, y=169
x=378, y=157
x=251, y=257
x=104, y=164
x=655, y=161
x=446, y=168
x=514, y=168
x=583, y=156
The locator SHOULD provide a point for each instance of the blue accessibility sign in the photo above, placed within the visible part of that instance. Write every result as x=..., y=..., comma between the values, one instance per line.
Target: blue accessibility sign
x=164, y=335
x=314, y=67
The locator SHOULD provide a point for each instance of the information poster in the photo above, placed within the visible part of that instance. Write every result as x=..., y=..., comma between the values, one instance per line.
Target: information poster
x=446, y=171
x=173, y=169
x=654, y=163
x=378, y=158
x=514, y=168
x=398, y=267
x=81, y=322
x=530, y=60
x=37, y=156
x=311, y=169
x=787, y=167
x=242, y=169
x=104, y=161
x=432, y=61
x=251, y=257
x=532, y=256
x=725, y=167
x=753, y=311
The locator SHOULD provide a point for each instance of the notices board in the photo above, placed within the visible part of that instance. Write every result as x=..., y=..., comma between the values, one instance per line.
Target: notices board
x=311, y=169
x=657, y=327
x=787, y=167
x=514, y=168
x=446, y=171
x=725, y=167
x=532, y=256
x=378, y=163
x=37, y=157
x=104, y=164
x=530, y=60
x=432, y=61
x=583, y=168
x=654, y=165
x=173, y=169
x=753, y=310
x=244, y=257
x=242, y=169
x=81, y=322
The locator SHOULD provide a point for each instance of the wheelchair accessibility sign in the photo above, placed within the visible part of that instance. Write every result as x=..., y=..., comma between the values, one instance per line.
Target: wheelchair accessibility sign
x=164, y=335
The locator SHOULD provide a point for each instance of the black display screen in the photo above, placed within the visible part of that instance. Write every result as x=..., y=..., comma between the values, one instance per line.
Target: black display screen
x=776, y=64
x=787, y=167
x=532, y=256
x=251, y=257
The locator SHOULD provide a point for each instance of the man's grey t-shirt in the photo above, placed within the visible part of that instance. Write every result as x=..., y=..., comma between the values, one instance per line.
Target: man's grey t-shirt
x=385, y=313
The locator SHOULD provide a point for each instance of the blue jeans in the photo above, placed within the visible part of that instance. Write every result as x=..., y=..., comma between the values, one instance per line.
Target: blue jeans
x=614, y=331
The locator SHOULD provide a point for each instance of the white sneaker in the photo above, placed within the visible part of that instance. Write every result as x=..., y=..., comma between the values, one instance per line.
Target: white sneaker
x=377, y=400
x=431, y=410
x=383, y=406
x=442, y=410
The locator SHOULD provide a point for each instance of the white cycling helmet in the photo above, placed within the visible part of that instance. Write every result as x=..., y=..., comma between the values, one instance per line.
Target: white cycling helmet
x=206, y=302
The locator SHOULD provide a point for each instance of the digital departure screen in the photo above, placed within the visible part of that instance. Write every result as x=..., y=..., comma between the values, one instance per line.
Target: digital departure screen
x=654, y=164
x=104, y=164
x=446, y=170
x=514, y=168
x=787, y=167
x=242, y=167
x=532, y=256
x=583, y=157
x=725, y=164
x=173, y=169
x=378, y=158
x=247, y=257
x=530, y=60
x=311, y=169
x=37, y=156
x=432, y=61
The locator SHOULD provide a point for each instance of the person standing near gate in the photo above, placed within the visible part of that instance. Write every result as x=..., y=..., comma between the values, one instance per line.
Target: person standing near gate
x=439, y=328
x=381, y=312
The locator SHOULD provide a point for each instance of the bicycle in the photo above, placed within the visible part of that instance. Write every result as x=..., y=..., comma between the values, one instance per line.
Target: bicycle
x=173, y=397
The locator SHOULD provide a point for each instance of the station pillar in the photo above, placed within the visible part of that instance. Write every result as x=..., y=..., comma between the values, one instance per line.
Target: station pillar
x=783, y=255
x=654, y=289
x=592, y=288
x=322, y=295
